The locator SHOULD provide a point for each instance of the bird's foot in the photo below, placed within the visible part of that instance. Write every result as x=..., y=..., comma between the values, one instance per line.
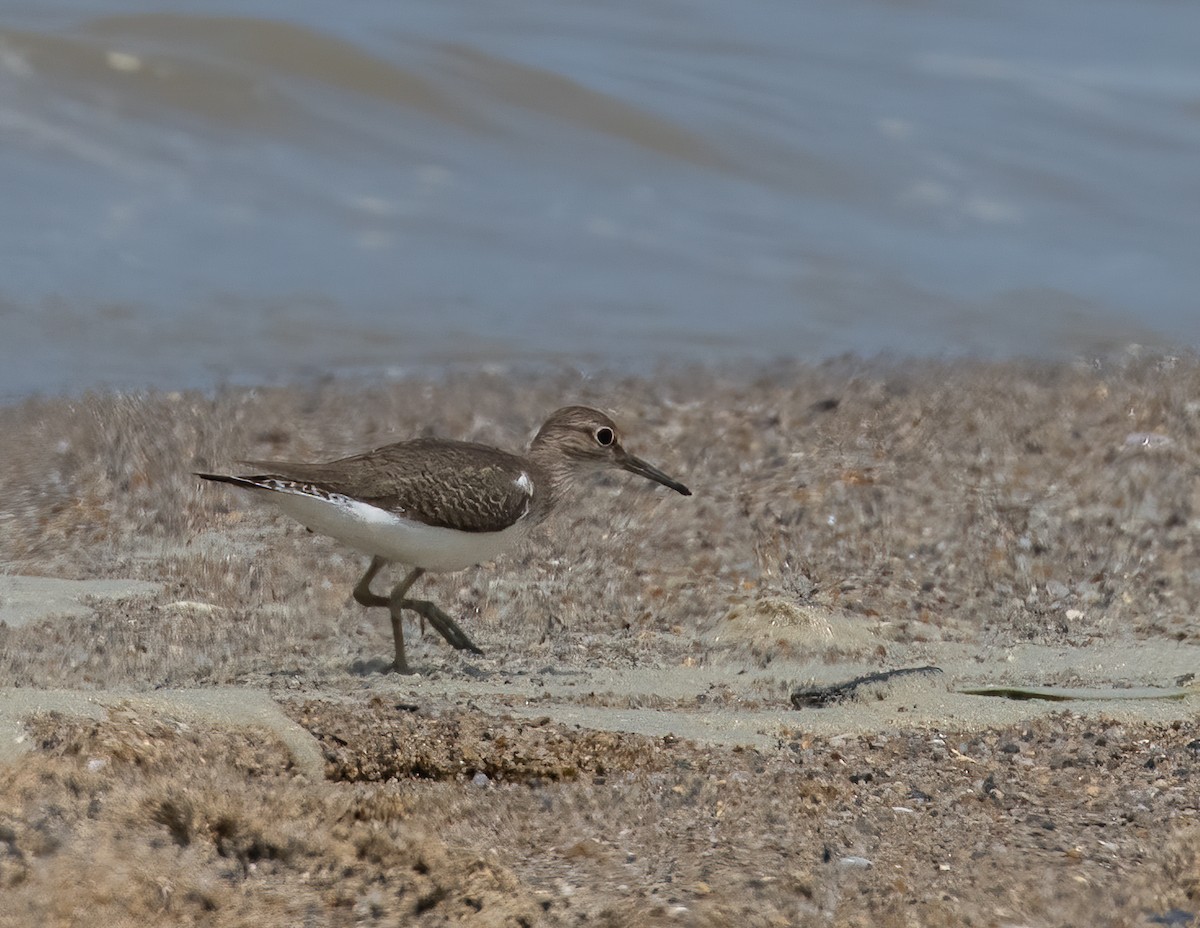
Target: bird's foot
x=442, y=624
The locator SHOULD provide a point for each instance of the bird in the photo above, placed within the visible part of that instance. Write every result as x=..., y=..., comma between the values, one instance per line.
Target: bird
x=434, y=504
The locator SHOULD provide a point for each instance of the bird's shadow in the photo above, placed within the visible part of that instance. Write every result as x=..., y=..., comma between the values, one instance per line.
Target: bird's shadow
x=362, y=668
x=382, y=666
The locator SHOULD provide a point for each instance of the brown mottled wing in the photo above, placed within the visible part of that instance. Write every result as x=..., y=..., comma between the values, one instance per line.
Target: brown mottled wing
x=449, y=484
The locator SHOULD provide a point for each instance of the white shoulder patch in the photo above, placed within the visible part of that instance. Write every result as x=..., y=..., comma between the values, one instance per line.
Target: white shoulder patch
x=524, y=483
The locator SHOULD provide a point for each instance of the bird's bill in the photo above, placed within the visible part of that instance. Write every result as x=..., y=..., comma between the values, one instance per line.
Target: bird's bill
x=637, y=466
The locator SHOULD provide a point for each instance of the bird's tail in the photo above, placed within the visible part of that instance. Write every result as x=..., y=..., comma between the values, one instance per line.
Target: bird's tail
x=251, y=483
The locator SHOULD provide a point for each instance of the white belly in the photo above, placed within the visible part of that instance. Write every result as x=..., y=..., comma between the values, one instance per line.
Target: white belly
x=380, y=533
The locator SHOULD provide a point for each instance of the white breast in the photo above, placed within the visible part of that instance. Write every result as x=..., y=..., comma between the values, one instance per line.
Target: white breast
x=376, y=531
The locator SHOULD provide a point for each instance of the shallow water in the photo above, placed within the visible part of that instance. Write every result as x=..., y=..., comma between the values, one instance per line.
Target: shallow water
x=276, y=190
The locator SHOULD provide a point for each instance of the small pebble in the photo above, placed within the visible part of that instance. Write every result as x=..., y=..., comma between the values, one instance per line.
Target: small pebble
x=1147, y=440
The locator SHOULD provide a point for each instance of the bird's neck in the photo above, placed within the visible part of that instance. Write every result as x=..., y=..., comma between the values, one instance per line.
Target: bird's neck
x=553, y=478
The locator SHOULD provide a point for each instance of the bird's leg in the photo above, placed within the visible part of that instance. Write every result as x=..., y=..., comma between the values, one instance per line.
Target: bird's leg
x=364, y=595
x=367, y=597
x=442, y=623
x=362, y=590
x=395, y=603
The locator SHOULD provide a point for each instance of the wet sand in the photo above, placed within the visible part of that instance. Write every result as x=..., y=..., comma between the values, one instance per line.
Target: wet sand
x=198, y=727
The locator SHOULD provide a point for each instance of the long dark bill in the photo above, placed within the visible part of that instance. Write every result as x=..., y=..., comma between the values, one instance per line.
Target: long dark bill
x=637, y=466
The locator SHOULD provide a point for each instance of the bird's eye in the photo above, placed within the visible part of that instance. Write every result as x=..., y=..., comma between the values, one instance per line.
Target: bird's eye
x=605, y=436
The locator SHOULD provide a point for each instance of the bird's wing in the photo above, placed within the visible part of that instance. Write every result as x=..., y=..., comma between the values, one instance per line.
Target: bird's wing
x=459, y=485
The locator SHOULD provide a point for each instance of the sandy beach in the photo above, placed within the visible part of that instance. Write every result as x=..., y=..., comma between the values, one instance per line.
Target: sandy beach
x=197, y=724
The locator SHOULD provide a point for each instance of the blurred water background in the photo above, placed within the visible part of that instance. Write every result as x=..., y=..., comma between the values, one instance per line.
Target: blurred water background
x=199, y=193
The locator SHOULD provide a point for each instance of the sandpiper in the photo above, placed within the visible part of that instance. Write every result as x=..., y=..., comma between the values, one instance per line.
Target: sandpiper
x=436, y=504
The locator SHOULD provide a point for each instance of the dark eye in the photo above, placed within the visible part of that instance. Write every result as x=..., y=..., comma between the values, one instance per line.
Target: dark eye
x=605, y=436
